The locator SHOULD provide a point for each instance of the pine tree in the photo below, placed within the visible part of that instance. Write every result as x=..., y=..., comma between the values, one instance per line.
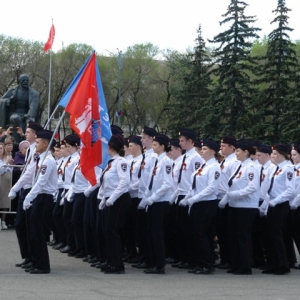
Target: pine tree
x=278, y=73
x=190, y=88
x=233, y=65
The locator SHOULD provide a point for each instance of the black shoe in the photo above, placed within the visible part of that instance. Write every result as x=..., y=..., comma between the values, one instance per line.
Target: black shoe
x=206, y=271
x=59, y=246
x=93, y=260
x=224, y=266
x=194, y=270
x=25, y=262
x=115, y=270
x=242, y=272
x=72, y=253
x=185, y=266
x=143, y=265
x=134, y=260
x=297, y=266
x=269, y=271
x=27, y=266
x=93, y=265
x=176, y=265
x=137, y=264
x=106, y=267
x=170, y=260
x=29, y=269
x=66, y=249
x=80, y=254
x=282, y=271
x=52, y=243
x=231, y=271
x=155, y=271
x=39, y=271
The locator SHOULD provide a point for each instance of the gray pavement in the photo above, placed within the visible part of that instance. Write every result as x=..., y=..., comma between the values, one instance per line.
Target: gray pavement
x=71, y=278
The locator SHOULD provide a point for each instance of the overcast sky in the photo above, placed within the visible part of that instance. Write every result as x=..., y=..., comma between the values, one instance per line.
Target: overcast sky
x=119, y=23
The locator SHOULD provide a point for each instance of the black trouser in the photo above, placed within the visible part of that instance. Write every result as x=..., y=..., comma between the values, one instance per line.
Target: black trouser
x=275, y=248
x=115, y=220
x=203, y=215
x=89, y=223
x=240, y=221
x=171, y=233
x=129, y=228
x=296, y=227
x=22, y=230
x=67, y=215
x=288, y=238
x=142, y=237
x=186, y=242
x=101, y=244
x=77, y=219
x=259, y=232
x=57, y=219
x=156, y=215
x=222, y=233
x=40, y=214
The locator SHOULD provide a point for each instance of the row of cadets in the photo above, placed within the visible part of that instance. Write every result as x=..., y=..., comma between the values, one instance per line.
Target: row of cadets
x=242, y=198
x=156, y=201
x=228, y=166
x=190, y=163
x=58, y=209
x=72, y=142
x=203, y=205
x=170, y=232
x=130, y=227
x=144, y=172
x=23, y=186
x=277, y=205
x=39, y=200
x=115, y=200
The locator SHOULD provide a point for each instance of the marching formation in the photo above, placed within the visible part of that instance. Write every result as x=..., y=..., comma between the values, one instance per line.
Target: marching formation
x=161, y=201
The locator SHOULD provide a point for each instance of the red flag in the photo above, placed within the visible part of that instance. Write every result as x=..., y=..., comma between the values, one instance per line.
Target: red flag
x=50, y=41
x=83, y=108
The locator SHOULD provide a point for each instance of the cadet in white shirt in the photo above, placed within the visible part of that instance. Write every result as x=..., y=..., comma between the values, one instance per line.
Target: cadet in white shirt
x=259, y=230
x=191, y=162
x=157, y=198
x=203, y=202
x=146, y=165
x=72, y=143
x=242, y=197
x=228, y=166
x=115, y=198
x=40, y=198
x=295, y=203
x=23, y=186
x=280, y=193
x=130, y=228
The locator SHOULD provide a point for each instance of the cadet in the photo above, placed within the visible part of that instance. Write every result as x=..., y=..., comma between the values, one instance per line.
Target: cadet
x=40, y=198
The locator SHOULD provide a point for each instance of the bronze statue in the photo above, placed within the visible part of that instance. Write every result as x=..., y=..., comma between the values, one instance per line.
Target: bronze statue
x=19, y=104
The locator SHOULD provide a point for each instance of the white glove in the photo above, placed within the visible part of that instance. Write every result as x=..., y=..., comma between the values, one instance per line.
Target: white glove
x=63, y=193
x=223, y=202
x=55, y=196
x=149, y=201
x=263, y=211
x=109, y=202
x=12, y=194
x=102, y=204
x=87, y=192
x=62, y=201
x=26, y=204
x=273, y=202
x=70, y=197
x=233, y=195
x=142, y=204
x=191, y=201
x=293, y=206
x=183, y=202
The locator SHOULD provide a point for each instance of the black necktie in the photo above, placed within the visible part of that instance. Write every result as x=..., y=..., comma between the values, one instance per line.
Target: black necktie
x=181, y=168
x=27, y=154
x=272, y=181
x=74, y=172
x=233, y=176
x=131, y=167
x=153, y=174
x=261, y=175
x=198, y=172
x=140, y=170
x=222, y=163
x=69, y=159
x=107, y=168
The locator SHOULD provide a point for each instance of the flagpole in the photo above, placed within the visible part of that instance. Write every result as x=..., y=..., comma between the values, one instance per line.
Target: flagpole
x=49, y=86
